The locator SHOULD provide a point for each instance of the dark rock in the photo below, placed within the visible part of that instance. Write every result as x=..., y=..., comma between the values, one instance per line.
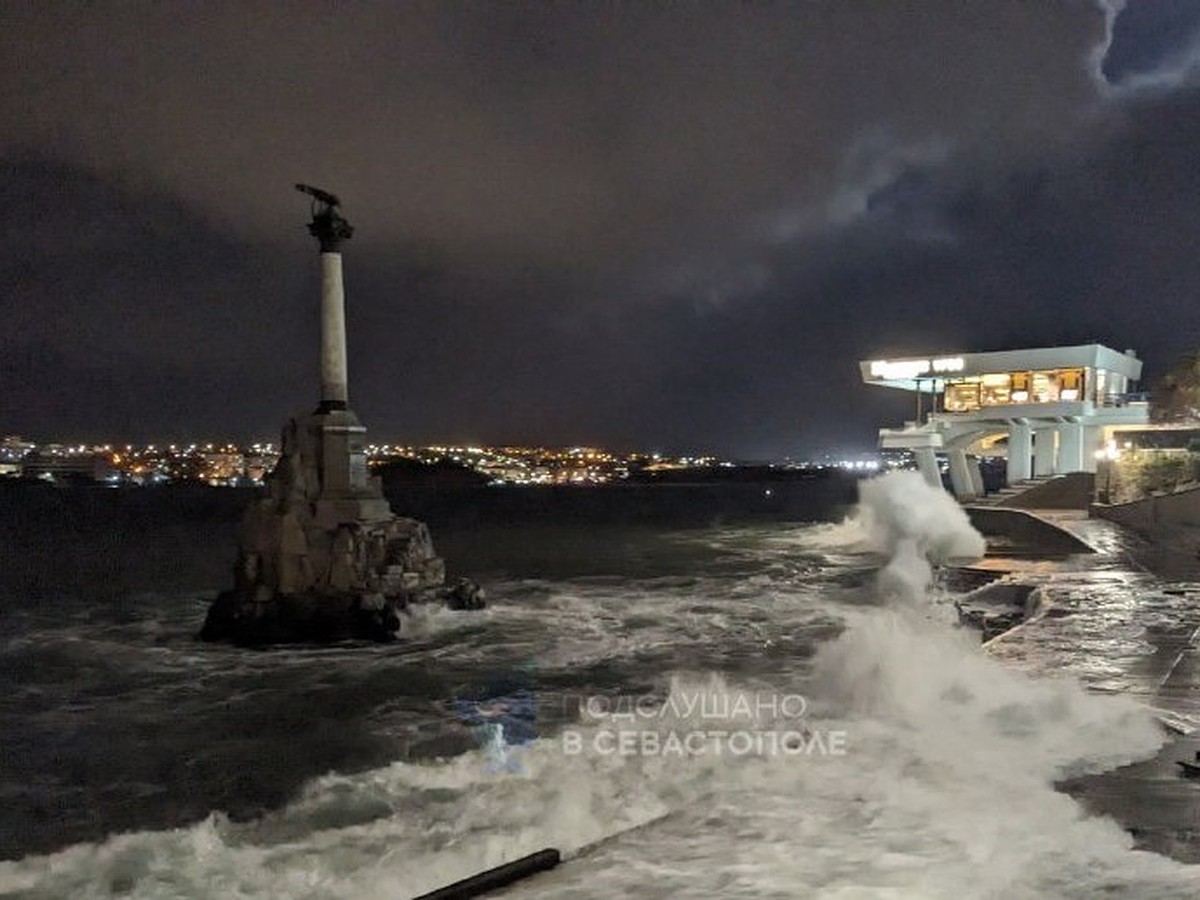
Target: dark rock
x=464, y=594
x=998, y=607
x=300, y=618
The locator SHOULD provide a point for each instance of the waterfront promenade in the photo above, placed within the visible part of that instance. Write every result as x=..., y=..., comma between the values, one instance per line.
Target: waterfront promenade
x=1124, y=619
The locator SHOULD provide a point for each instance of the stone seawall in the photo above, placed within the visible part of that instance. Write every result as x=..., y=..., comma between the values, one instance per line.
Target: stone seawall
x=1169, y=526
x=1167, y=511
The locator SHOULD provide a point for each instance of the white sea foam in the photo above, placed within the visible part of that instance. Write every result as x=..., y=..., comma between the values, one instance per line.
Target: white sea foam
x=944, y=789
x=910, y=523
x=944, y=784
x=392, y=832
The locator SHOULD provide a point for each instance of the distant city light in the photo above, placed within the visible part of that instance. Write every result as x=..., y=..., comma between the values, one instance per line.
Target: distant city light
x=226, y=464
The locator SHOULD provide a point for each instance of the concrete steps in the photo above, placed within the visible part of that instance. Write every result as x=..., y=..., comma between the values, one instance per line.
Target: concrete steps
x=1005, y=494
x=1073, y=490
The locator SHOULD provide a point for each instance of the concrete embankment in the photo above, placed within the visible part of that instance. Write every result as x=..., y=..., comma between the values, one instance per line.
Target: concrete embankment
x=1024, y=548
x=1019, y=532
x=1072, y=491
x=1123, y=618
x=1177, y=510
x=1170, y=527
x=1024, y=544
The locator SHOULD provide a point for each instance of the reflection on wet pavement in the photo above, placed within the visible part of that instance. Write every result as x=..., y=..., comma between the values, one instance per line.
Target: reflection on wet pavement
x=1106, y=620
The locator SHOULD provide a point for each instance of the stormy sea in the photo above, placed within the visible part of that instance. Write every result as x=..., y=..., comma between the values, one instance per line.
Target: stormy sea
x=750, y=690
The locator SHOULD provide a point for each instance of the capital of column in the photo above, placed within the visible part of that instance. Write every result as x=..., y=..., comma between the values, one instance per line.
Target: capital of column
x=330, y=229
x=327, y=225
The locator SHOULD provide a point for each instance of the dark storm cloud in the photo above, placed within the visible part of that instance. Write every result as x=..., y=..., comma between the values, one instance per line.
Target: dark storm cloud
x=567, y=131
x=646, y=224
x=1152, y=43
x=122, y=307
x=1072, y=248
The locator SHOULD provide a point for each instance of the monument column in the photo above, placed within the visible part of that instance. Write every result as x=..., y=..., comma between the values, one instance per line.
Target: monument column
x=331, y=231
x=334, y=380
x=346, y=491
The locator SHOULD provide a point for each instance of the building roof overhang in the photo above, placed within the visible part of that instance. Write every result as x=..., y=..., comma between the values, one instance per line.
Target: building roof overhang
x=923, y=373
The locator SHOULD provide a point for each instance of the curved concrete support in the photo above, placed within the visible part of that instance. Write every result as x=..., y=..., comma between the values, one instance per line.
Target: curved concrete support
x=960, y=475
x=976, y=476
x=927, y=464
x=1020, y=451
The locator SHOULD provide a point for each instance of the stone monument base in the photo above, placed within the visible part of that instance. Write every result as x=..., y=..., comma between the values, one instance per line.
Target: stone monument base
x=321, y=565
x=323, y=618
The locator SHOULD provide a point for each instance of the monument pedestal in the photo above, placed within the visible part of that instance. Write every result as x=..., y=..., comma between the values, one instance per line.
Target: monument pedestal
x=318, y=564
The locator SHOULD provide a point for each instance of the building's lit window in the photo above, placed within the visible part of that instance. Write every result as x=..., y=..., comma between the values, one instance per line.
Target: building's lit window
x=995, y=390
x=1005, y=388
x=1070, y=383
x=1045, y=387
x=1020, y=387
x=962, y=396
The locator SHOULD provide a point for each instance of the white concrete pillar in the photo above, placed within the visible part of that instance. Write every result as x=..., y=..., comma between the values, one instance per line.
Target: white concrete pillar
x=1093, y=442
x=927, y=464
x=1020, y=451
x=960, y=475
x=1071, y=450
x=976, y=476
x=1044, y=451
x=334, y=380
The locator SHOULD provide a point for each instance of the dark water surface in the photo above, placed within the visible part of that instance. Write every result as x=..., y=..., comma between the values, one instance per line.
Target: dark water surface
x=115, y=718
x=138, y=762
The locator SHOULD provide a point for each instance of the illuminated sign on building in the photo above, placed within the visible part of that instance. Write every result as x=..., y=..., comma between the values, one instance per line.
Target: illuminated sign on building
x=907, y=369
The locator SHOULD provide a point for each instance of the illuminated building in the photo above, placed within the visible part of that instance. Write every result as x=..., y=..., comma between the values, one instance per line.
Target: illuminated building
x=55, y=462
x=1052, y=408
x=13, y=450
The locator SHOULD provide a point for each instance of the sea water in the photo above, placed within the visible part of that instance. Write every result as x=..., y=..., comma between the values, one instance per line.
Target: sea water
x=755, y=709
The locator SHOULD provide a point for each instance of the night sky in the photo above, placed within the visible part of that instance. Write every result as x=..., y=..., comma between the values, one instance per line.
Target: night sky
x=670, y=226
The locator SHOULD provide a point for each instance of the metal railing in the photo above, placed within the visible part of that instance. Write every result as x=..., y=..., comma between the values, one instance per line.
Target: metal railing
x=1124, y=399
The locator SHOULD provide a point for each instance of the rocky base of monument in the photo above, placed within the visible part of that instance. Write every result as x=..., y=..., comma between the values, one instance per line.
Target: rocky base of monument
x=312, y=617
x=315, y=566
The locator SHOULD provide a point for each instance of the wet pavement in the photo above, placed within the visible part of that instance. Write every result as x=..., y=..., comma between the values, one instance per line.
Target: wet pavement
x=1155, y=800
x=1125, y=619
